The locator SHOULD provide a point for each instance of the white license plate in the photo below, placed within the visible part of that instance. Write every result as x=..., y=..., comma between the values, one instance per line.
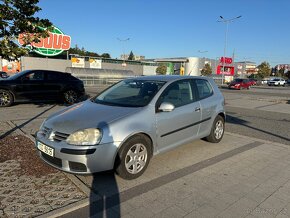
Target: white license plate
x=45, y=149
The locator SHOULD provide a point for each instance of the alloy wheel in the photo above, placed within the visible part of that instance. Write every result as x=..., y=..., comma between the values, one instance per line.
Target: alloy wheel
x=136, y=158
x=219, y=129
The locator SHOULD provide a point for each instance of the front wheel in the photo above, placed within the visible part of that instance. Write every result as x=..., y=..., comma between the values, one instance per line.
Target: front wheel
x=70, y=96
x=6, y=98
x=133, y=157
x=217, y=130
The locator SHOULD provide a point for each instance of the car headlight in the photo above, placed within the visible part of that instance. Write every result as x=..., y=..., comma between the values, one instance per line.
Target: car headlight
x=85, y=137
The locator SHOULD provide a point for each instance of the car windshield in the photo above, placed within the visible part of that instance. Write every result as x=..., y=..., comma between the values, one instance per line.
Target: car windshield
x=276, y=80
x=17, y=75
x=130, y=93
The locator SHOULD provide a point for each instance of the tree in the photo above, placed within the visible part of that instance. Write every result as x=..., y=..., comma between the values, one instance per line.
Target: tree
x=264, y=69
x=206, y=70
x=106, y=55
x=131, y=56
x=17, y=17
x=161, y=69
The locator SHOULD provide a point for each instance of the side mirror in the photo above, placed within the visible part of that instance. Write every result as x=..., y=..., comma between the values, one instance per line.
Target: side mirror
x=166, y=107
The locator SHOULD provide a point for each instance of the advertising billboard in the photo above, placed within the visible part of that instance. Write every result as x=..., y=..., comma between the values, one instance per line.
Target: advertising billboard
x=55, y=44
x=95, y=63
x=78, y=62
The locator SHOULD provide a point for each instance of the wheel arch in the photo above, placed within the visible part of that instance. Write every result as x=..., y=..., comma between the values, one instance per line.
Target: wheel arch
x=128, y=138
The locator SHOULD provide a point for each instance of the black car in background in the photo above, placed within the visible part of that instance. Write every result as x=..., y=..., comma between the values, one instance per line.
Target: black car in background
x=40, y=85
x=3, y=75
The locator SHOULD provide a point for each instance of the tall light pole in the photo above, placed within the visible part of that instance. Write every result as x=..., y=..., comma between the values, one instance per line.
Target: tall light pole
x=123, y=49
x=226, y=21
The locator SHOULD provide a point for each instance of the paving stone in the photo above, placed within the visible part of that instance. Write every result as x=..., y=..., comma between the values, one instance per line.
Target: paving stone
x=171, y=212
x=272, y=205
x=31, y=196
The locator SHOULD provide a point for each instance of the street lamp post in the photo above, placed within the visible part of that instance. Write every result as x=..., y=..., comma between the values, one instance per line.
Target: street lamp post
x=123, y=49
x=226, y=21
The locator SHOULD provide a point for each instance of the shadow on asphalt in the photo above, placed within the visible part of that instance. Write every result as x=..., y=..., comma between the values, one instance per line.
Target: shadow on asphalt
x=25, y=123
x=105, y=186
x=235, y=120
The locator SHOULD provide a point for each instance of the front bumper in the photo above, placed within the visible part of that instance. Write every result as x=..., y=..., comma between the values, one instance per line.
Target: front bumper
x=79, y=159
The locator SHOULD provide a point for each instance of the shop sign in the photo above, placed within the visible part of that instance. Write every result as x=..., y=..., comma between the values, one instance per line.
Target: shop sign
x=55, y=44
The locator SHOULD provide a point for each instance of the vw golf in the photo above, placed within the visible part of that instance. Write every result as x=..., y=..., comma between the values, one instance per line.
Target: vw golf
x=125, y=125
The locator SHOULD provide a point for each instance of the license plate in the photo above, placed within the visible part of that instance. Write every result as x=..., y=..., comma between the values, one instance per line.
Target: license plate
x=45, y=149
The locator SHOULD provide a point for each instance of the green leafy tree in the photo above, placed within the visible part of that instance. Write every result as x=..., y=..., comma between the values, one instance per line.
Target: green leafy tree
x=206, y=70
x=106, y=55
x=131, y=56
x=161, y=69
x=16, y=17
x=82, y=52
x=281, y=73
x=287, y=75
x=264, y=69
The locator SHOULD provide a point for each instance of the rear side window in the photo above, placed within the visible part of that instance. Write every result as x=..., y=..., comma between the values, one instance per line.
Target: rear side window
x=54, y=76
x=204, y=89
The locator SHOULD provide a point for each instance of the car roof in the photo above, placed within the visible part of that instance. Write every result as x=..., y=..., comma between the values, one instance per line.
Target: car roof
x=168, y=78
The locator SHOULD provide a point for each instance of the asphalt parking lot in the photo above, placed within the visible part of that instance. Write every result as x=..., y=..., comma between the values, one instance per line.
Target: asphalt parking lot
x=243, y=176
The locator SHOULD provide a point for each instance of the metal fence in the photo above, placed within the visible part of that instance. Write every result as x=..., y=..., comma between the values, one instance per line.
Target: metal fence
x=100, y=77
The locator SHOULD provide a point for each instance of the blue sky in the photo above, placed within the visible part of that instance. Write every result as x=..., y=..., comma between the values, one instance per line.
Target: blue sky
x=176, y=28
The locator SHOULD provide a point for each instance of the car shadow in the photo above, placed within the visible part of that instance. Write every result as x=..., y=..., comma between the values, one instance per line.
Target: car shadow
x=235, y=120
x=44, y=103
x=25, y=123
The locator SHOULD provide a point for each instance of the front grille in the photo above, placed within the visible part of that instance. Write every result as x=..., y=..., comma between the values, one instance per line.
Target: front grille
x=59, y=136
x=53, y=135
x=53, y=160
x=45, y=131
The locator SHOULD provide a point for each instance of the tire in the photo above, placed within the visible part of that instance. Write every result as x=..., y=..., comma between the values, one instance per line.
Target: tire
x=133, y=157
x=217, y=130
x=249, y=87
x=70, y=96
x=6, y=98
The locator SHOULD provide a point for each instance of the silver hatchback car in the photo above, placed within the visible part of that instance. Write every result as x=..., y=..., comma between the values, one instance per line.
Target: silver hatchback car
x=128, y=123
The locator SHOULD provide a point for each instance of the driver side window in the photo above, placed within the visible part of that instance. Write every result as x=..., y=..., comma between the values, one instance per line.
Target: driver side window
x=37, y=75
x=178, y=93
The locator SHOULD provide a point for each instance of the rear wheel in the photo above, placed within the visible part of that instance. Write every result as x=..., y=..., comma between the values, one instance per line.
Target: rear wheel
x=6, y=98
x=133, y=157
x=217, y=130
x=70, y=96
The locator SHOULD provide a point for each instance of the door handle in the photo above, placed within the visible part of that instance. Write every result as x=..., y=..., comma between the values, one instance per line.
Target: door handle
x=197, y=109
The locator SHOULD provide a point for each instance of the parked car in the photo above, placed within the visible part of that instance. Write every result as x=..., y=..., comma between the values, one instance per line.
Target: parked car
x=265, y=81
x=124, y=126
x=40, y=85
x=3, y=75
x=277, y=82
x=253, y=82
x=240, y=84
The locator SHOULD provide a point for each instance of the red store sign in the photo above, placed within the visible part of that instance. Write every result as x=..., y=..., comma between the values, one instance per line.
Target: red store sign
x=226, y=60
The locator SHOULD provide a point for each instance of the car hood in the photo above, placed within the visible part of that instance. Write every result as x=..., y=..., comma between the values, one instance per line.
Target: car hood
x=86, y=115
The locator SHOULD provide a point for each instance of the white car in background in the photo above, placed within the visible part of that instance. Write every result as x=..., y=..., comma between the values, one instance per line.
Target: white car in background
x=277, y=82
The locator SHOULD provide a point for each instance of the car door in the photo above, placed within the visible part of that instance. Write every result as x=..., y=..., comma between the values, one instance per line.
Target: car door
x=30, y=86
x=208, y=104
x=53, y=83
x=181, y=124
